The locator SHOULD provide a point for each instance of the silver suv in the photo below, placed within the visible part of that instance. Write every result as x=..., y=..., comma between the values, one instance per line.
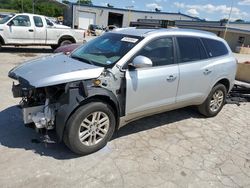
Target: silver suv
x=122, y=76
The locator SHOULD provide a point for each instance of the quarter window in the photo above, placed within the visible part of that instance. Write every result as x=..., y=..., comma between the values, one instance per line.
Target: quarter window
x=215, y=48
x=160, y=51
x=21, y=20
x=191, y=49
x=38, y=21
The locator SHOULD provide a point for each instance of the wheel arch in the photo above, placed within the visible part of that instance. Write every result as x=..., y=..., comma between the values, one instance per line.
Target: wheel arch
x=66, y=37
x=2, y=40
x=100, y=95
x=225, y=82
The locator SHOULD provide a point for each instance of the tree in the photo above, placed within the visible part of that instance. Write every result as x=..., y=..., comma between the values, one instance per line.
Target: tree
x=85, y=2
x=157, y=10
x=224, y=20
x=65, y=2
x=43, y=7
x=239, y=21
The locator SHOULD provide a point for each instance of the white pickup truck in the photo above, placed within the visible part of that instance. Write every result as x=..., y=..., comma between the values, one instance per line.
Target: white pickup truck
x=32, y=29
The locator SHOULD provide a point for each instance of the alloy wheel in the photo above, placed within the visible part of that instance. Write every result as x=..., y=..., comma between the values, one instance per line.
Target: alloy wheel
x=94, y=128
x=216, y=101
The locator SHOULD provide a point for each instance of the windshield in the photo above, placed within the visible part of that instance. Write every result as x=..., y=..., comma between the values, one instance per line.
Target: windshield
x=5, y=19
x=106, y=50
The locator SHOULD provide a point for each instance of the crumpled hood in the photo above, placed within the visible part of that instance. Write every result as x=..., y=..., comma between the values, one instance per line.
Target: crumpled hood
x=53, y=70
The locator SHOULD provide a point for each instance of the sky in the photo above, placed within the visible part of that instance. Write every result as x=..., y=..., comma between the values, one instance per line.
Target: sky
x=211, y=10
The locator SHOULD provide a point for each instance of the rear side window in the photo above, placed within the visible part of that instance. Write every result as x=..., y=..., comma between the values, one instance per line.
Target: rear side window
x=215, y=48
x=191, y=49
x=38, y=21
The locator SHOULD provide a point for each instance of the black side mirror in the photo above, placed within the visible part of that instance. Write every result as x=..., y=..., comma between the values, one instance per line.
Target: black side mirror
x=50, y=24
x=10, y=23
x=131, y=67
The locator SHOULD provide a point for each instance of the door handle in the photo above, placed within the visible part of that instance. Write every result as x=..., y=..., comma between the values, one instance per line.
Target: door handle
x=171, y=78
x=31, y=30
x=207, y=72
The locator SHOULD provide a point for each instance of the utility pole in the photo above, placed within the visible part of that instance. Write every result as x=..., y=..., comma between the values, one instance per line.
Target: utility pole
x=22, y=6
x=228, y=21
x=33, y=6
x=129, y=13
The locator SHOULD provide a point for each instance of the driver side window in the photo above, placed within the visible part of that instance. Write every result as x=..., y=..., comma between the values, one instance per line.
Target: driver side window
x=160, y=51
x=21, y=21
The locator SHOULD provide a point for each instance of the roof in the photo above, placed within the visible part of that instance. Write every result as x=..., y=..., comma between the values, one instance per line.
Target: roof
x=211, y=25
x=140, y=11
x=158, y=31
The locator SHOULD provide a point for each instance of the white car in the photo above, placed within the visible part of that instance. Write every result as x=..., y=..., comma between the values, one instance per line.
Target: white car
x=32, y=29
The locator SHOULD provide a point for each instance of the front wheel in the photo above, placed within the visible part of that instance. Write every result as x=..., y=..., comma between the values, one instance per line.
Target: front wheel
x=89, y=128
x=54, y=47
x=214, y=102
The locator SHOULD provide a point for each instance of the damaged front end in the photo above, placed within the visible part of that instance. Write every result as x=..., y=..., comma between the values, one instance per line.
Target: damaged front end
x=39, y=104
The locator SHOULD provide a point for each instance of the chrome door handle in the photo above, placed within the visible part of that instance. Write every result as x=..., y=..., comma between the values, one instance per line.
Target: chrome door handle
x=207, y=71
x=171, y=78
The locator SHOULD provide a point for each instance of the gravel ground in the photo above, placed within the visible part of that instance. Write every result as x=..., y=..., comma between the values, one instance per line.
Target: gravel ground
x=174, y=149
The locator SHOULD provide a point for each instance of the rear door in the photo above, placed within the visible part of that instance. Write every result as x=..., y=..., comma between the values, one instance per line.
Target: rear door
x=39, y=30
x=196, y=71
x=19, y=30
x=153, y=88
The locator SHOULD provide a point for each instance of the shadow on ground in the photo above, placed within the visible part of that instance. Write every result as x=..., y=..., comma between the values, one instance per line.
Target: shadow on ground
x=30, y=50
x=13, y=133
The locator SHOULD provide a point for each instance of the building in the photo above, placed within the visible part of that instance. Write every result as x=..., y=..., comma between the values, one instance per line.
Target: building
x=84, y=15
x=236, y=34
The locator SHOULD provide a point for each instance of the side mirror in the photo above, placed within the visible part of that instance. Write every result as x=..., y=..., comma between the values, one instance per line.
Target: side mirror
x=50, y=24
x=10, y=23
x=141, y=62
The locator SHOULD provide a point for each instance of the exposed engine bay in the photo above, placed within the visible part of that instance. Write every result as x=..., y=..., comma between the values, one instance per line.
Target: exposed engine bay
x=39, y=104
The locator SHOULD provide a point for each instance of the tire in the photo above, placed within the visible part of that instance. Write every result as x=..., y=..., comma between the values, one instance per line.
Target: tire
x=65, y=42
x=84, y=124
x=54, y=47
x=218, y=96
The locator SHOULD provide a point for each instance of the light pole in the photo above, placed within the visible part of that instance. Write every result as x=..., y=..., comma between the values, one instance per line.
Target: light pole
x=129, y=13
x=229, y=17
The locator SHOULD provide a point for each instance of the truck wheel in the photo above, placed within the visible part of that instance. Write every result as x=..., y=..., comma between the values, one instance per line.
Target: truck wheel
x=54, y=47
x=65, y=42
x=214, y=102
x=89, y=128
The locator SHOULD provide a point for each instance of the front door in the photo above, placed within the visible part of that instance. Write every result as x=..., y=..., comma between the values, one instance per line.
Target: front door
x=19, y=30
x=40, y=30
x=154, y=88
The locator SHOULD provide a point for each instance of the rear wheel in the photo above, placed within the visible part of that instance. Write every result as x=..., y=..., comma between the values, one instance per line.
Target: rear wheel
x=65, y=42
x=214, y=102
x=90, y=128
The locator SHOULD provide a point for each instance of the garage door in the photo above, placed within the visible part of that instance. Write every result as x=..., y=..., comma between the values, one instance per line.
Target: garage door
x=86, y=18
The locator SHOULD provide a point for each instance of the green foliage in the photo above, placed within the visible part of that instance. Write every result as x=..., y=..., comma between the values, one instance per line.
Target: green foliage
x=43, y=7
x=85, y=2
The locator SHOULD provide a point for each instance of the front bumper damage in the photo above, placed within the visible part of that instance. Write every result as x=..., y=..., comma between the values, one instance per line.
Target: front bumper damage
x=42, y=114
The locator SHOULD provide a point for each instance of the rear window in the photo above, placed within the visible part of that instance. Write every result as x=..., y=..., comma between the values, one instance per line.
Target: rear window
x=215, y=48
x=191, y=49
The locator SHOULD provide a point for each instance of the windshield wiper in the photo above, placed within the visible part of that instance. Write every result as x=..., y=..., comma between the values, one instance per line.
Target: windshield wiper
x=82, y=59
